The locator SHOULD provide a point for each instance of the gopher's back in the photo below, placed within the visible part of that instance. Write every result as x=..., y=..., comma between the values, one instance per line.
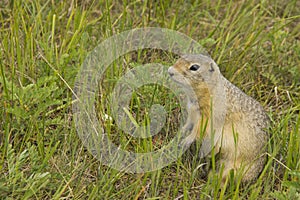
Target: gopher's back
x=253, y=115
x=245, y=130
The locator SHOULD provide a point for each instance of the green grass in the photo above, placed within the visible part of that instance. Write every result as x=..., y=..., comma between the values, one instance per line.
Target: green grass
x=42, y=46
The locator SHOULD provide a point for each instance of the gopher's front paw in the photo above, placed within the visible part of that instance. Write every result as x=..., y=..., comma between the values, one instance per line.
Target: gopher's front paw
x=188, y=141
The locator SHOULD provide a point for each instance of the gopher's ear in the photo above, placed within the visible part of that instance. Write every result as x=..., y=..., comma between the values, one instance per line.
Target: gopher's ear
x=211, y=69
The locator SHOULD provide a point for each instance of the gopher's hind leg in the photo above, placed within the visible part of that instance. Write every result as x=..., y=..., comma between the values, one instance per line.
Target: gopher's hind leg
x=228, y=164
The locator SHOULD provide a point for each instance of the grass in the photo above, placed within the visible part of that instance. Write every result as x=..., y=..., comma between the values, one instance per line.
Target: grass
x=42, y=46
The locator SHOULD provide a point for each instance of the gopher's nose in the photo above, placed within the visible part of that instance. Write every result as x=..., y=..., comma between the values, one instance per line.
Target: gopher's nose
x=171, y=71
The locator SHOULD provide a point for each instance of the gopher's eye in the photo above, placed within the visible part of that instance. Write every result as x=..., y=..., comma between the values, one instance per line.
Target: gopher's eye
x=194, y=67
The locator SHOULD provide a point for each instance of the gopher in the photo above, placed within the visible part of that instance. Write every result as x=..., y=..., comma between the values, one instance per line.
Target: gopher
x=222, y=117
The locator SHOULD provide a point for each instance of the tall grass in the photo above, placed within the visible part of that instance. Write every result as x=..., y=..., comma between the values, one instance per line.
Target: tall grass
x=42, y=46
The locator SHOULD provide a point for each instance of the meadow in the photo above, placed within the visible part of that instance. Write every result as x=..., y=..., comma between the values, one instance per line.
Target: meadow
x=43, y=44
